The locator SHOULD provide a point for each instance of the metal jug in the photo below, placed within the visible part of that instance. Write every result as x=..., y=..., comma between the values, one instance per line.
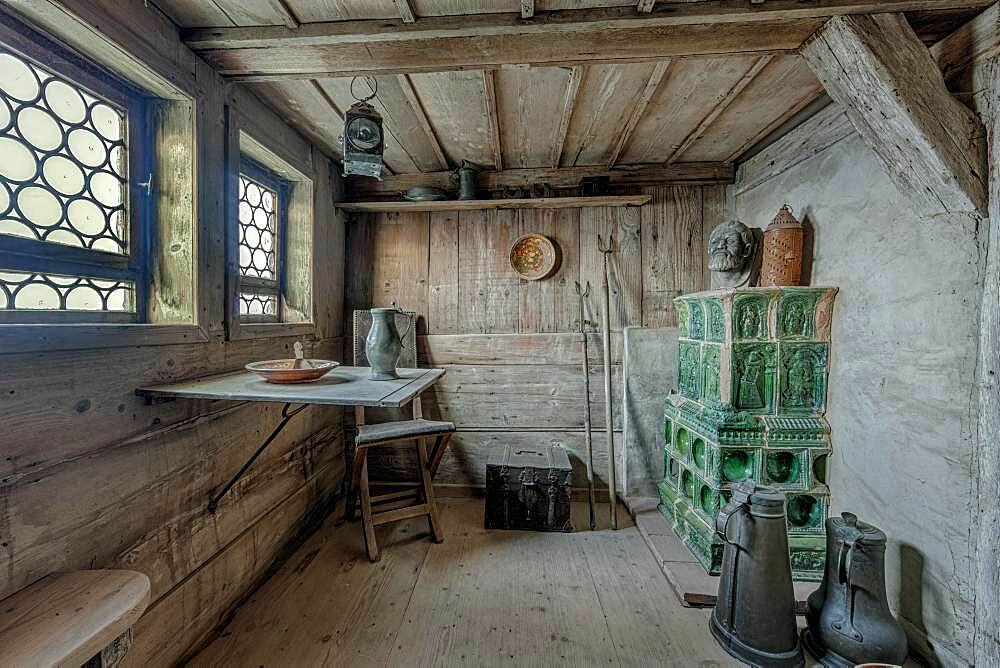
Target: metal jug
x=384, y=343
x=848, y=617
x=467, y=175
x=754, y=618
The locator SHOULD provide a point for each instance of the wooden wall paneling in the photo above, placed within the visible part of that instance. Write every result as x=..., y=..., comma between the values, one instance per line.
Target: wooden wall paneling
x=305, y=106
x=399, y=118
x=487, y=289
x=487, y=349
x=673, y=260
x=359, y=285
x=529, y=104
x=157, y=486
x=625, y=267
x=551, y=305
x=399, y=268
x=179, y=623
x=329, y=250
x=464, y=465
x=602, y=108
x=462, y=129
x=442, y=274
x=780, y=90
x=518, y=396
x=714, y=212
x=693, y=88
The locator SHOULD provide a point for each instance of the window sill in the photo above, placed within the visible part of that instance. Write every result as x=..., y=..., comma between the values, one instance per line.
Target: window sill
x=35, y=338
x=264, y=330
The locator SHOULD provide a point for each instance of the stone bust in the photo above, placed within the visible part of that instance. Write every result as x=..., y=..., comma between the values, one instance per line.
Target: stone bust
x=733, y=255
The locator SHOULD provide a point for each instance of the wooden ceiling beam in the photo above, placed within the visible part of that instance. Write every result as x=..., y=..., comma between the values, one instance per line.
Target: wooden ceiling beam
x=796, y=107
x=287, y=15
x=569, y=103
x=716, y=111
x=490, y=98
x=893, y=92
x=638, y=110
x=562, y=178
x=565, y=37
x=405, y=11
x=421, y=115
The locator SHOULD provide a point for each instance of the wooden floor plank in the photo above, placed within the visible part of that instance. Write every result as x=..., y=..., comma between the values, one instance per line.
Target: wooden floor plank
x=481, y=598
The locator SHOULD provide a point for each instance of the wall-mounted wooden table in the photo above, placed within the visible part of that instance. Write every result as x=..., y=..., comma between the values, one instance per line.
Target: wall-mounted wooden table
x=344, y=386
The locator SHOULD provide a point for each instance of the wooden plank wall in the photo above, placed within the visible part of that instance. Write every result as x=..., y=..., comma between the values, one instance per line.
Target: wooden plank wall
x=91, y=477
x=513, y=359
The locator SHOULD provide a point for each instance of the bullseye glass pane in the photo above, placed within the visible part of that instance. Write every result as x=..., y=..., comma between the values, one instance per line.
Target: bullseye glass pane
x=52, y=292
x=63, y=161
x=258, y=231
x=257, y=304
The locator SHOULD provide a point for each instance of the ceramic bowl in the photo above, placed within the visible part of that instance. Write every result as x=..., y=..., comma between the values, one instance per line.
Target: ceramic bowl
x=285, y=371
x=534, y=257
x=425, y=194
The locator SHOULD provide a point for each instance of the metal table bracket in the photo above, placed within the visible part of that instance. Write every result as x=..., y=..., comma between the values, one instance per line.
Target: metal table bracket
x=286, y=416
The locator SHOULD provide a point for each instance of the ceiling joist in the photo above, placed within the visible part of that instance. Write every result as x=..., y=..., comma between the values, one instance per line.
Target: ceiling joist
x=569, y=103
x=405, y=11
x=717, y=110
x=639, y=109
x=566, y=37
x=421, y=116
x=490, y=97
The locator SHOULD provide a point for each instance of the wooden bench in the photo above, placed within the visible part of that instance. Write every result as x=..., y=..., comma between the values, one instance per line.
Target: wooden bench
x=83, y=618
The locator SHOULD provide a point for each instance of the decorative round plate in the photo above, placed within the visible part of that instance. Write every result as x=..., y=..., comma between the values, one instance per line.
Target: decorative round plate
x=534, y=257
x=285, y=371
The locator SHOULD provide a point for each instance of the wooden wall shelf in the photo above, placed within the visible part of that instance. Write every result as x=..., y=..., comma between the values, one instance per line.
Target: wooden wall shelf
x=480, y=204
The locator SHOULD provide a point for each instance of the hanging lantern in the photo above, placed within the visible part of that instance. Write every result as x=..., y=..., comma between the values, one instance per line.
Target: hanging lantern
x=782, y=250
x=363, y=139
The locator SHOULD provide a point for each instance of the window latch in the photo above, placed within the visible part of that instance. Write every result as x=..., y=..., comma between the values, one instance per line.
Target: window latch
x=147, y=185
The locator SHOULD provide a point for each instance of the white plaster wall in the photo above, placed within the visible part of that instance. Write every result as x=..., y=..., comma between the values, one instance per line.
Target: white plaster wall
x=902, y=400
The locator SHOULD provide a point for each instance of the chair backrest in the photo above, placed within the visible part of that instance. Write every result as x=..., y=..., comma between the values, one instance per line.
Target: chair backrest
x=363, y=323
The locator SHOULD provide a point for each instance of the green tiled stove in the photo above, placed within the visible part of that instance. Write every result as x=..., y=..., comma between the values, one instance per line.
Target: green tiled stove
x=752, y=377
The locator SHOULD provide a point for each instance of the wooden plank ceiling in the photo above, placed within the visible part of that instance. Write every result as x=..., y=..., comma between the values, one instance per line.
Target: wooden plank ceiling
x=611, y=108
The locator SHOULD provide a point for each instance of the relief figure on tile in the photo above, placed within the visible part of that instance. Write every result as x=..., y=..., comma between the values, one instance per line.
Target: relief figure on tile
x=749, y=322
x=734, y=255
x=800, y=380
x=751, y=382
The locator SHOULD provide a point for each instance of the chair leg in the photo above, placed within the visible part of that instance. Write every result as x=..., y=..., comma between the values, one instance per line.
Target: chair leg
x=428, y=487
x=437, y=452
x=366, y=511
x=351, y=500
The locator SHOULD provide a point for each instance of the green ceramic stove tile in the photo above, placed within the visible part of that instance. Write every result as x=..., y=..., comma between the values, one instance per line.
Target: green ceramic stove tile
x=715, y=321
x=802, y=378
x=754, y=377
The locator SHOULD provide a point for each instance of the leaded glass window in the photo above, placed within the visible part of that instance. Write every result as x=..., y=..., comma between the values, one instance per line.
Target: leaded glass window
x=260, y=223
x=70, y=238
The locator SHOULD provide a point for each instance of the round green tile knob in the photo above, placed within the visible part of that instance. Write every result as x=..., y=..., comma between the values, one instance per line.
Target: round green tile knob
x=736, y=466
x=782, y=467
x=698, y=453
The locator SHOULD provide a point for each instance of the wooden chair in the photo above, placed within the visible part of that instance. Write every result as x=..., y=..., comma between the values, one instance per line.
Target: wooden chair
x=401, y=433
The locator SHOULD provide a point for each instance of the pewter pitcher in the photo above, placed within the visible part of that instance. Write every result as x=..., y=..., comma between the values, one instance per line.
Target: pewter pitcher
x=754, y=618
x=849, y=621
x=384, y=343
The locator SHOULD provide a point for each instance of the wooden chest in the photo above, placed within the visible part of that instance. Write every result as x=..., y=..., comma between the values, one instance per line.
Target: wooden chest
x=529, y=488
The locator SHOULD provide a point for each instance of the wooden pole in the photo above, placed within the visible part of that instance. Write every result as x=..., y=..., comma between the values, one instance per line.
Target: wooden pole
x=608, y=398
x=591, y=497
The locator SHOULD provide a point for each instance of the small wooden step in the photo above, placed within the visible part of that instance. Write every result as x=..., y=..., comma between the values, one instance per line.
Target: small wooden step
x=64, y=619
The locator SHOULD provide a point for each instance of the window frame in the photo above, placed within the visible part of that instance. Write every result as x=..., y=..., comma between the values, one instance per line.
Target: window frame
x=298, y=307
x=22, y=254
x=258, y=173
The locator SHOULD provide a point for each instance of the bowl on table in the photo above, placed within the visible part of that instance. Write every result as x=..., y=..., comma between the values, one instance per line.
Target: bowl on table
x=287, y=371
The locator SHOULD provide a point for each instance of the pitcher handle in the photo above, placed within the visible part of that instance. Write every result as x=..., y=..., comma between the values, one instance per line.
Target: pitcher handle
x=411, y=318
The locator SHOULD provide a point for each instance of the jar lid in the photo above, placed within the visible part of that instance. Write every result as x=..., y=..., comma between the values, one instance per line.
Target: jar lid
x=785, y=218
x=767, y=497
